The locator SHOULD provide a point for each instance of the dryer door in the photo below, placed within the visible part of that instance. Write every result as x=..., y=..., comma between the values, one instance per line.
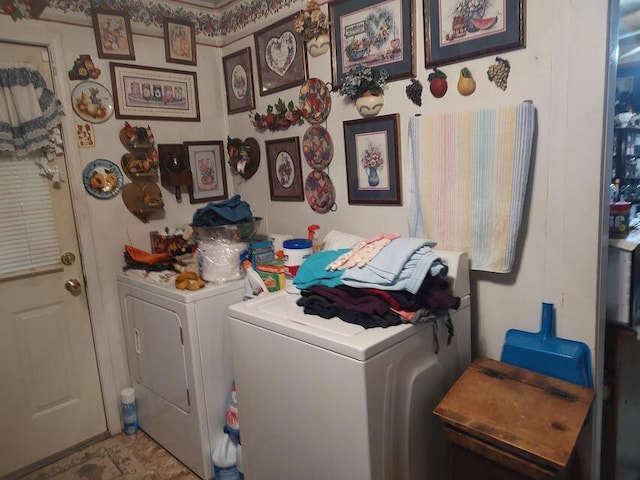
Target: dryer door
x=160, y=357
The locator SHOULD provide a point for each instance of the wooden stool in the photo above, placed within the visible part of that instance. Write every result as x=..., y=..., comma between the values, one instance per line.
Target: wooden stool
x=505, y=422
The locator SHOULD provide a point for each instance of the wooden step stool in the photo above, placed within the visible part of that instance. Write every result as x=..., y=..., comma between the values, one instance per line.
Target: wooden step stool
x=505, y=422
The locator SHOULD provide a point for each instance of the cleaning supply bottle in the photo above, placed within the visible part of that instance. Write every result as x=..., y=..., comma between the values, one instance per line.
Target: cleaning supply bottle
x=254, y=285
x=129, y=411
x=313, y=236
x=239, y=462
x=224, y=458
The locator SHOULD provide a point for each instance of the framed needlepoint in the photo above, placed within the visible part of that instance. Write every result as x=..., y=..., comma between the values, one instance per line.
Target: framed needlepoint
x=179, y=41
x=112, y=30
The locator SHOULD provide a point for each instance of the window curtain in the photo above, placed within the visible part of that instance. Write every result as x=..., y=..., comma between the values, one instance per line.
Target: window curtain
x=28, y=110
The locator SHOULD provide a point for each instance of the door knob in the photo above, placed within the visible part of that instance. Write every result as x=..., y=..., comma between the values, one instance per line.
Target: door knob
x=73, y=286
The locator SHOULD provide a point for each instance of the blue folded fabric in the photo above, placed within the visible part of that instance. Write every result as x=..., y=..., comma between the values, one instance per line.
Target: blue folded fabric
x=401, y=265
x=313, y=270
x=233, y=210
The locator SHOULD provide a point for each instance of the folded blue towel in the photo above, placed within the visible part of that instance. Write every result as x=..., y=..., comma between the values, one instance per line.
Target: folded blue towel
x=233, y=210
x=313, y=270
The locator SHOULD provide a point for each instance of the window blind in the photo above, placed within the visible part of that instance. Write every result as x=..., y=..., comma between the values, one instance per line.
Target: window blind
x=28, y=238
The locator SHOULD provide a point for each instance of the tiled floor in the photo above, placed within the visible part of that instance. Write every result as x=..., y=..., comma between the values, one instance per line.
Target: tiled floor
x=157, y=463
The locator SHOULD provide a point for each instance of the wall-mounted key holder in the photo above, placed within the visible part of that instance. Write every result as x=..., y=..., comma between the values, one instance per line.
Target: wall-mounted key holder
x=175, y=171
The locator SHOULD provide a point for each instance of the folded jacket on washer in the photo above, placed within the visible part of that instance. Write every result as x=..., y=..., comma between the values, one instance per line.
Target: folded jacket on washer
x=402, y=265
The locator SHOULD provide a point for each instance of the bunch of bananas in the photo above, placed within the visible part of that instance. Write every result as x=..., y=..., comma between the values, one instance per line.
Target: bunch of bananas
x=189, y=281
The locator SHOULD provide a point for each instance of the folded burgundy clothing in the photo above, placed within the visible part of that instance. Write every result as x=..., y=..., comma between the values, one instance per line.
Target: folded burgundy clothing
x=317, y=305
x=351, y=298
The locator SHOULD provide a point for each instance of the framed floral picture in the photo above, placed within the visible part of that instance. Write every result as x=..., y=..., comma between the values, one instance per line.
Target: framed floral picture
x=285, y=169
x=372, y=151
x=238, y=80
x=376, y=33
x=458, y=30
x=206, y=160
x=112, y=30
x=179, y=41
x=281, y=56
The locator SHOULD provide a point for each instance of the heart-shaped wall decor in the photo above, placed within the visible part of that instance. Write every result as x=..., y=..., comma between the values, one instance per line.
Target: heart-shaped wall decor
x=280, y=52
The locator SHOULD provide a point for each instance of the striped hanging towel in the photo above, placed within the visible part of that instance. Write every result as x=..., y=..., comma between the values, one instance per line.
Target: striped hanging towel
x=472, y=178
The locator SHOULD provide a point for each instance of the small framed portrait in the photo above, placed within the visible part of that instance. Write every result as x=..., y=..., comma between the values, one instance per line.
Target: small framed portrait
x=206, y=160
x=179, y=41
x=285, y=169
x=372, y=151
x=238, y=80
x=282, y=58
x=113, y=34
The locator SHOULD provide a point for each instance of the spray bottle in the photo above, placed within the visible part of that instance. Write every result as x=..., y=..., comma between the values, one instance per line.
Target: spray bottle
x=313, y=236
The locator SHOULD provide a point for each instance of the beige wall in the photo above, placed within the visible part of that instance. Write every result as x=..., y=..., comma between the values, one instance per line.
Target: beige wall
x=562, y=71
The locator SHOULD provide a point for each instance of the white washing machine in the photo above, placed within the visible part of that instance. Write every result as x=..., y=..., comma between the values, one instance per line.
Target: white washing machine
x=179, y=363
x=324, y=399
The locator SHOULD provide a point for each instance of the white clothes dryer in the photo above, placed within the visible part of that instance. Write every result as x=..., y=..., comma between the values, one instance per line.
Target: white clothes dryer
x=323, y=399
x=179, y=363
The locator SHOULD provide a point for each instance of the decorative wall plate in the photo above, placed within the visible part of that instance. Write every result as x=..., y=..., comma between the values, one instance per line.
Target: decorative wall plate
x=320, y=193
x=102, y=179
x=92, y=102
x=315, y=101
x=317, y=147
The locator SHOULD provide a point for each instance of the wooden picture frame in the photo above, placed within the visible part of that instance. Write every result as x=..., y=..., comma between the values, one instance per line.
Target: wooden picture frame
x=376, y=33
x=141, y=92
x=179, y=41
x=285, y=169
x=458, y=30
x=281, y=57
x=112, y=30
x=207, y=162
x=238, y=81
x=373, y=142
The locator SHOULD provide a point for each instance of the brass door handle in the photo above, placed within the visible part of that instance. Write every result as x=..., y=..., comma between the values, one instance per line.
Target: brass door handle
x=73, y=286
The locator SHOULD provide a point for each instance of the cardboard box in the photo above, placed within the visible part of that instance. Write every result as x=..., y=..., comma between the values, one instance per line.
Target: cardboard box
x=623, y=281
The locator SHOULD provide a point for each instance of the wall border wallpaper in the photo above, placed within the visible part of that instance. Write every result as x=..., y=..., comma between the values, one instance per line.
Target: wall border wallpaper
x=213, y=26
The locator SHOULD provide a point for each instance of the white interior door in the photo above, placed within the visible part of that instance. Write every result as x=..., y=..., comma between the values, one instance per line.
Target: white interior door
x=50, y=390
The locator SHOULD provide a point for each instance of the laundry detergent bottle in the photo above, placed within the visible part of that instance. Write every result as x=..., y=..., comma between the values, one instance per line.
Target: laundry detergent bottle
x=224, y=458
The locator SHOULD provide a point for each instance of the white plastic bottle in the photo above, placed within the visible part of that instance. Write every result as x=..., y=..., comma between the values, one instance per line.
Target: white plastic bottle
x=254, y=285
x=129, y=411
x=239, y=464
x=224, y=458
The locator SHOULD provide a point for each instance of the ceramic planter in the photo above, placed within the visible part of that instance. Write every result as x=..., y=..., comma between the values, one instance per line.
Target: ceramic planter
x=370, y=104
x=318, y=45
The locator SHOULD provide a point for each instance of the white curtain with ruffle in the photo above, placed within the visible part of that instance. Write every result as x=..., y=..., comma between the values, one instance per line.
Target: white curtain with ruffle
x=29, y=111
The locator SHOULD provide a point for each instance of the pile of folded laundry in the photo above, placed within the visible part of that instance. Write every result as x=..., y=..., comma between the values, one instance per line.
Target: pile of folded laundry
x=382, y=281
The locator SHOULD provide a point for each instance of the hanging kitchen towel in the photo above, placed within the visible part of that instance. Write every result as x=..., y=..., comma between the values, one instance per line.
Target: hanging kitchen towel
x=473, y=171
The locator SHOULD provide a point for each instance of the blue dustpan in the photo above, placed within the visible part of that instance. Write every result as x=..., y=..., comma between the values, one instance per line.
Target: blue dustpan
x=544, y=353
